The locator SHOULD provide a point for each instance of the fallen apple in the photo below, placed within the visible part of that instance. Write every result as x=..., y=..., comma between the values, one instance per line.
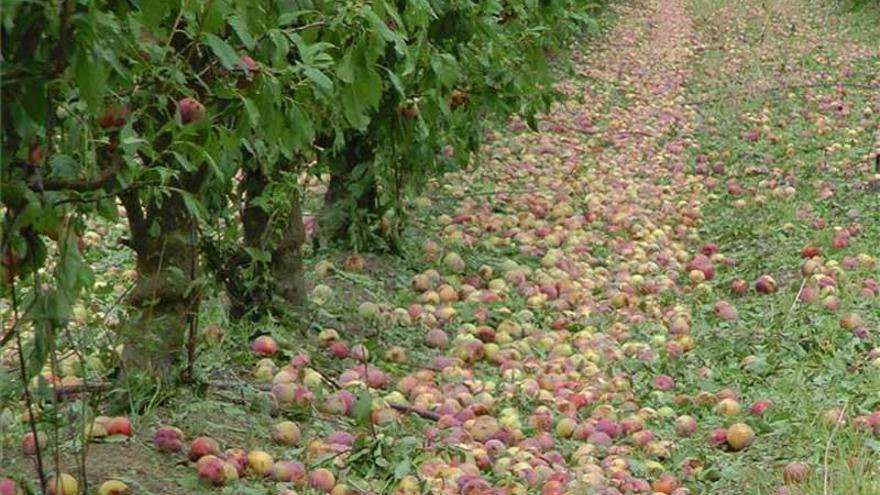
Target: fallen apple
x=286, y=433
x=203, y=446
x=740, y=436
x=64, y=484
x=114, y=487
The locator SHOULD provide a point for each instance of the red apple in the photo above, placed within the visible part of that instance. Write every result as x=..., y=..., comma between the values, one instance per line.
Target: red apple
x=120, y=425
x=289, y=471
x=36, y=156
x=190, y=110
x=249, y=63
x=795, y=472
x=436, y=338
x=29, y=443
x=666, y=483
x=760, y=407
x=203, y=446
x=739, y=287
x=322, y=479
x=811, y=251
x=765, y=284
x=9, y=487
x=265, y=345
x=718, y=437
x=726, y=311
x=339, y=349
x=113, y=116
x=215, y=471
x=238, y=458
x=168, y=439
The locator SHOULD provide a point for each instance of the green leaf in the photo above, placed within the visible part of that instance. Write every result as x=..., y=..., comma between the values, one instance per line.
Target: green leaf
x=225, y=53
x=396, y=83
x=91, y=78
x=368, y=87
x=213, y=16
x=303, y=128
x=202, y=153
x=241, y=29
x=402, y=469
x=153, y=11
x=322, y=81
x=353, y=108
x=314, y=53
x=107, y=209
x=446, y=69
x=184, y=162
x=42, y=337
x=387, y=34
x=345, y=71
x=194, y=206
x=63, y=166
x=288, y=18
x=363, y=409
x=253, y=112
x=282, y=47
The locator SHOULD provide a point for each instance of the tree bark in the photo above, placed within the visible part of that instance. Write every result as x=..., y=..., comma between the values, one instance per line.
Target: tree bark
x=162, y=301
x=282, y=234
x=288, y=279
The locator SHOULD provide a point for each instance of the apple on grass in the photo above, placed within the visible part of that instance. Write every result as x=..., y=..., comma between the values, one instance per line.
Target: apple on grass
x=795, y=472
x=260, y=462
x=265, y=345
x=64, y=484
x=168, y=439
x=322, y=479
x=286, y=433
x=30, y=442
x=215, y=471
x=9, y=487
x=120, y=425
x=288, y=471
x=740, y=436
x=114, y=487
x=203, y=446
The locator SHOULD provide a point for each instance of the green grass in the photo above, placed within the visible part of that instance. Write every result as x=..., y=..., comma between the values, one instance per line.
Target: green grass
x=807, y=364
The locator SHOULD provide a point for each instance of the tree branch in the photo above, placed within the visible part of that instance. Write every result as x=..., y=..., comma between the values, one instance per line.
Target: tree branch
x=102, y=181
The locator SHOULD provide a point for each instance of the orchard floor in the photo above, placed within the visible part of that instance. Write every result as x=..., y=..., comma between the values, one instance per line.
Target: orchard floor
x=742, y=131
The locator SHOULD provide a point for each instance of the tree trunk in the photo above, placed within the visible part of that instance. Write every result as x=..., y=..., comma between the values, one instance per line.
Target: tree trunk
x=162, y=302
x=351, y=187
x=288, y=279
x=282, y=234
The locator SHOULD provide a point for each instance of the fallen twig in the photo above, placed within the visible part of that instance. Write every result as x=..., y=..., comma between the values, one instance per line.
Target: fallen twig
x=418, y=412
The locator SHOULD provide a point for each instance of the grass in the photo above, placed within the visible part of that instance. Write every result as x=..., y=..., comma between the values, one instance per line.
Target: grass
x=805, y=362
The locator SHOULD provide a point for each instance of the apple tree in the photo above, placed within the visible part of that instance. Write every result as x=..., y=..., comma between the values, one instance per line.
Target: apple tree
x=156, y=107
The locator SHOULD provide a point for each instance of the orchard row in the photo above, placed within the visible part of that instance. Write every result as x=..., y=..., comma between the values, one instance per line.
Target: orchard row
x=194, y=123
